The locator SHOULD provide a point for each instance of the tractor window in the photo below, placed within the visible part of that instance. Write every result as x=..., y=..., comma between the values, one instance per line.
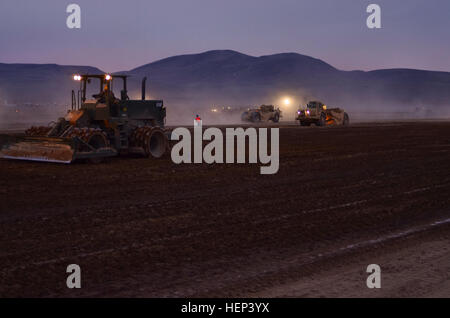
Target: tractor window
x=92, y=87
x=116, y=87
x=267, y=108
x=311, y=106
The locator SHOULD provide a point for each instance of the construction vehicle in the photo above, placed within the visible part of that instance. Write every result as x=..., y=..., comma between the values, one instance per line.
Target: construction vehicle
x=262, y=113
x=95, y=128
x=317, y=113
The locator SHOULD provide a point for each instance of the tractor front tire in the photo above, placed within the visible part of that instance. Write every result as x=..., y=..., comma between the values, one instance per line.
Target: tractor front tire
x=323, y=120
x=256, y=118
x=276, y=118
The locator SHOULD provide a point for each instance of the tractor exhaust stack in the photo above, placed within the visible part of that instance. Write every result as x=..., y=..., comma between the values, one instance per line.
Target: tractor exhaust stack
x=143, y=87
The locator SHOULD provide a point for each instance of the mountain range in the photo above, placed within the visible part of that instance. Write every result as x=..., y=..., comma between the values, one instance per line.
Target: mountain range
x=225, y=77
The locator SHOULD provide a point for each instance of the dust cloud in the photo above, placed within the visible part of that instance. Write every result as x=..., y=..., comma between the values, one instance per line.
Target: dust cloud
x=21, y=117
x=183, y=108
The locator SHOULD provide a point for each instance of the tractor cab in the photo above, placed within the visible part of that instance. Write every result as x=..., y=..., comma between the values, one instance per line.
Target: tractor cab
x=104, y=103
x=315, y=108
x=105, y=84
x=267, y=108
x=105, y=106
x=318, y=113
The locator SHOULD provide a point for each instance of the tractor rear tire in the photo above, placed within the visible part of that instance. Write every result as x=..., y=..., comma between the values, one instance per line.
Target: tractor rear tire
x=152, y=140
x=276, y=118
x=323, y=120
x=256, y=118
x=156, y=143
x=97, y=141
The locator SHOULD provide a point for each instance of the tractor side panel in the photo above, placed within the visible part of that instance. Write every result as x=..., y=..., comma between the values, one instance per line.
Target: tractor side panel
x=266, y=116
x=144, y=110
x=335, y=116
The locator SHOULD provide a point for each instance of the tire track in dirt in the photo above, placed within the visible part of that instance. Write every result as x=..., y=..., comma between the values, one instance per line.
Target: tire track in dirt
x=150, y=228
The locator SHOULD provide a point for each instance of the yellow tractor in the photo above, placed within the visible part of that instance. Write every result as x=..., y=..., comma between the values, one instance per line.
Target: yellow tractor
x=262, y=113
x=95, y=127
x=317, y=113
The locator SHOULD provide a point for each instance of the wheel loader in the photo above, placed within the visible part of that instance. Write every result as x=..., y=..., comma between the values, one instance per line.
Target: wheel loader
x=317, y=113
x=262, y=113
x=96, y=127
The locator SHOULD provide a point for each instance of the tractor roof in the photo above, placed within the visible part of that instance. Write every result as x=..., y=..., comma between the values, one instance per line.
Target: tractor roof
x=102, y=76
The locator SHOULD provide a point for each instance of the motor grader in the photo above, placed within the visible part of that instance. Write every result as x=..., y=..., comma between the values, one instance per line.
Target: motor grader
x=317, y=113
x=95, y=127
x=262, y=113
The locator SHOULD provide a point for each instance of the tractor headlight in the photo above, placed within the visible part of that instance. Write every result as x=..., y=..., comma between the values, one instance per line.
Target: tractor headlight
x=107, y=77
x=77, y=78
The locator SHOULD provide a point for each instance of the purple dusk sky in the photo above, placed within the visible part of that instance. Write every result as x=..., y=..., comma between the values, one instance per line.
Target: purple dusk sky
x=120, y=35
